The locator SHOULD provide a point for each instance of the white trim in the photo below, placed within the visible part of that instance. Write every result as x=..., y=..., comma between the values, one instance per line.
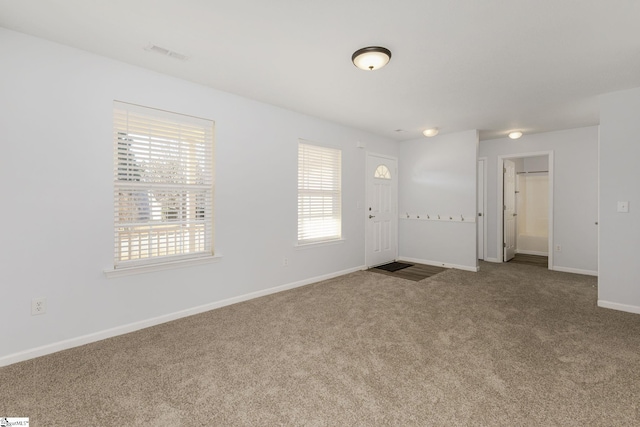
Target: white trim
x=525, y=252
x=575, y=271
x=551, y=211
x=620, y=307
x=169, y=265
x=299, y=246
x=439, y=264
x=599, y=257
x=131, y=327
x=500, y=193
x=485, y=168
x=487, y=259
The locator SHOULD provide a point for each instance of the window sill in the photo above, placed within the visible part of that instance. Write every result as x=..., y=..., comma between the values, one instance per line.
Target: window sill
x=169, y=265
x=318, y=244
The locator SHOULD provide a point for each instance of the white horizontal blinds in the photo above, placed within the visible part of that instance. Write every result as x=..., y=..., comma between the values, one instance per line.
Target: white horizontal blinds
x=163, y=185
x=319, y=193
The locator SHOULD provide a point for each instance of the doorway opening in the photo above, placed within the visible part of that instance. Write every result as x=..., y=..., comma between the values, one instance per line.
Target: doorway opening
x=525, y=195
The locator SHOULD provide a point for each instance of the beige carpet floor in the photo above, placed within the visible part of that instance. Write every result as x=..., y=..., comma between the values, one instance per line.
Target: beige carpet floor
x=512, y=345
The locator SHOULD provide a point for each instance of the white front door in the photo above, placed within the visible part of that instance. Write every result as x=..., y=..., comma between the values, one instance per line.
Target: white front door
x=509, y=211
x=480, y=222
x=381, y=213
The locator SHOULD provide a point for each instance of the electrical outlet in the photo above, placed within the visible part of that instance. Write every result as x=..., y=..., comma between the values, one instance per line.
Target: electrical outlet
x=38, y=306
x=285, y=262
x=558, y=248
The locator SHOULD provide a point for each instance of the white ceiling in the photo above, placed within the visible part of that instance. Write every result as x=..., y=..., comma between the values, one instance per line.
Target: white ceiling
x=492, y=65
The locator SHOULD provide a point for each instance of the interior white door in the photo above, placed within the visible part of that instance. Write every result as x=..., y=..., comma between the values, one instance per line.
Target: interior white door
x=509, y=209
x=480, y=222
x=381, y=212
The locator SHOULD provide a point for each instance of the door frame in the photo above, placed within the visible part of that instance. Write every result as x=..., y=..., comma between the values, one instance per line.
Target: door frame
x=509, y=247
x=394, y=224
x=485, y=163
x=500, y=195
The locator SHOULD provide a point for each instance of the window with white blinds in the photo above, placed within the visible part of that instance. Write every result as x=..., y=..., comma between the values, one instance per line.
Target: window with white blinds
x=163, y=186
x=319, y=193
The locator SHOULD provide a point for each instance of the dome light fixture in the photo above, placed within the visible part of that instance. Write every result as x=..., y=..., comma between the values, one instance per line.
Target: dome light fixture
x=371, y=58
x=431, y=132
x=515, y=134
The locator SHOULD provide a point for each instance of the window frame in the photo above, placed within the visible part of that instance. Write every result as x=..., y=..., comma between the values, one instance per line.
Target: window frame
x=312, y=156
x=184, y=147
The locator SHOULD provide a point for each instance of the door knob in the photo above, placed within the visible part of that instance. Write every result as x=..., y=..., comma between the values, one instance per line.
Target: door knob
x=371, y=216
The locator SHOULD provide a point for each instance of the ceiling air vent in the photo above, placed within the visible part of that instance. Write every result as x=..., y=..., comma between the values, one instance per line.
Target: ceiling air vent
x=166, y=52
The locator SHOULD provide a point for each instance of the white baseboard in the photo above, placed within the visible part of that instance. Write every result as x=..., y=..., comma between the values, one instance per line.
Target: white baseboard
x=131, y=327
x=575, y=270
x=525, y=252
x=439, y=264
x=487, y=259
x=620, y=307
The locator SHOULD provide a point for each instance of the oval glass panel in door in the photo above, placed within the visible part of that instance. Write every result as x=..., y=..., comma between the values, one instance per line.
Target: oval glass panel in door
x=382, y=172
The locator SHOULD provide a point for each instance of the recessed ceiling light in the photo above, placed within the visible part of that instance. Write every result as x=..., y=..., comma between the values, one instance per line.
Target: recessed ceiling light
x=515, y=135
x=371, y=58
x=431, y=132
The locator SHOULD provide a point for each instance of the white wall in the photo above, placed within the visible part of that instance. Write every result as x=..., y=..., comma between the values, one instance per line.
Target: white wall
x=575, y=188
x=56, y=169
x=438, y=176
x=619, y=278
x=535, y=164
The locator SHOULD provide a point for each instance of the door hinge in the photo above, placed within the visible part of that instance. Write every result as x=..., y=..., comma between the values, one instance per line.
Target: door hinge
x=504, y=170
x=504, y=245
x=504, y=207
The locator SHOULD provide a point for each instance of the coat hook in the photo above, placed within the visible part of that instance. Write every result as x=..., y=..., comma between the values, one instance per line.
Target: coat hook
x=428, y=217
x=407, y=214
x=418, y=216
x=461, y=218
x=438, y=216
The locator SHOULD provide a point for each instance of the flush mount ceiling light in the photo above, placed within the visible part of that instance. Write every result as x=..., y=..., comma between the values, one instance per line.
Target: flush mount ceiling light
x=371, y=58
x=431, y=132
x=515, y=135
